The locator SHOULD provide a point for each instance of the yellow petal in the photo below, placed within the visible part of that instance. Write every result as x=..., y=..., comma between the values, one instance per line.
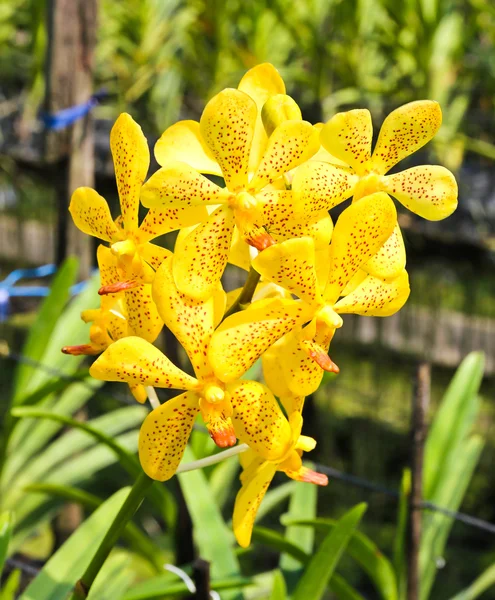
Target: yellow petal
x=360, y=232
x=283, y=223
x=91, y=215
x=273, y=373
x=183, y=142
x=277, y=109
x=227, y=126
x=258, y=420
x=136, y=361
x=429, y=191
x=243, y=337
x=320, y=186
x=131, y=159
x=405, y=130
x=164, y=434
x=191, y=322
x=201, y=257
x=142, y=313
x=154, y=255
x=376, y=298
x=178, y=185
x=292, y=404
x=107, y=263
x=239, y=254
x=348, y=136
x=291, y=264
x=357, y=279
x=323, y=155
x=291, y=144
x=248, y=501
x=160, y=221
x=260, y=83
x=217, y=418
x=390, y=260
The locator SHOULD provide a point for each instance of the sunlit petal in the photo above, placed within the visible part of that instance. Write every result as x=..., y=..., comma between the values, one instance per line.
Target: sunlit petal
x=201, y=257
x=390, y=260
x=348, y=136
x=91, y=215
x=183, y=142
x=136, y=361
x=131, y=159
x=405, y=130
x=164, y=435
x=142, y=313
x=376, y=298
x=160, y=221
x=429, y=191
x=227, y=126
x=243, y=337
x=359, y=233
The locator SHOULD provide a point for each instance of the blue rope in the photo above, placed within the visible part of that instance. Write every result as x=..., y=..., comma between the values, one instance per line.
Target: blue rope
x=68, y=116
x=8, y=291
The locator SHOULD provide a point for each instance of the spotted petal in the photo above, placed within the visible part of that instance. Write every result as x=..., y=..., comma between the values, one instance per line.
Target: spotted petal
x=291, y=144
x=260, y=83
x=160, y=221
x=243, y=337
x=320, y=186
x=404, y=131
x=91, y=215
x=183, y=142
x=258, y=419
x=272, y=361
x=136, y=361
x=348, y=136
x=227, y=126
x=376, y=298
x=360, y=232
x=390, y=260
x=291, y=264
x=131, y=159
x=191, y=321
x=154, y=255
x=179, y=185
x=201, y=257
x=164, y=435
x=248, y=501
x=142, y=312
x=429, y=191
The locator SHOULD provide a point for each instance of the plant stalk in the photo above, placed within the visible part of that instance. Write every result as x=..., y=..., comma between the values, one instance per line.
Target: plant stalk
x=130, y=506
x=246, y=294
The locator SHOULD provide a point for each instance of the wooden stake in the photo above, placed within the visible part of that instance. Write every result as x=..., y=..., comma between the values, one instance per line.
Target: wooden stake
x=201, y=578
x=71, y=35
x=421, y=401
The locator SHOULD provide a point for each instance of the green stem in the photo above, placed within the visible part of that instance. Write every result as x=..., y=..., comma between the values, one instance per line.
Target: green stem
x=246, y=294
x=130, y=506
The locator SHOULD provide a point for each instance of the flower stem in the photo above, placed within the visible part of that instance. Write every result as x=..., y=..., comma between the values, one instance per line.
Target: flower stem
x=246, y=294
x=130, y=506
x=211, y=460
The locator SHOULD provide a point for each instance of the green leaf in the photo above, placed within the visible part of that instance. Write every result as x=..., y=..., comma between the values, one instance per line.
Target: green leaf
x=302, y=506
x=342, y=589
x=274, y=498
x=10, y=587
x=364, y=552
x=211, y=535
x=6, y=526
x=278, y=542
x=222, y=480
x=320, y=569
x=279, y=589
x=41, y=330
x=161, y=587
x=400, y=541
x=452, y=423
x=479, y=585
x=67, y=565
x=114, y=579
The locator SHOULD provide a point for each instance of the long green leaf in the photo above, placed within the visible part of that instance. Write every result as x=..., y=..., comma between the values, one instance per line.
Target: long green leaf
x=276, y=541
x=67, y=565
x=480, y=585
x=160, y=587
x=6, y=526
x=114, y=579
x=400, y=541
x=279, y=589
x=320, y=569
x=342, y=589
x=10, y=587
x=211, y=535
x=41, y=330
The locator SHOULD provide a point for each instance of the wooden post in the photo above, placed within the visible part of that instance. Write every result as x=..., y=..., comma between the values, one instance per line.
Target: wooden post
x=201, y=578
x=71, y=35
x=421, y=401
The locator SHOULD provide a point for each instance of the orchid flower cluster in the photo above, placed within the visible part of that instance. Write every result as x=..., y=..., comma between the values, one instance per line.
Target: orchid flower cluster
x=270, y=216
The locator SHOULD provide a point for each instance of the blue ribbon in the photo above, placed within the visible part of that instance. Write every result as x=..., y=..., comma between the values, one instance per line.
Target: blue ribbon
x=7, y=289
x=68, y=116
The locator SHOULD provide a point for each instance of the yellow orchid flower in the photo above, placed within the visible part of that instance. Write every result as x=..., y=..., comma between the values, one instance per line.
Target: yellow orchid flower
x=359, y=233
x=238, y=409
x=258, y=473
x=429, y=190
x=135, y=259
x=230, y=141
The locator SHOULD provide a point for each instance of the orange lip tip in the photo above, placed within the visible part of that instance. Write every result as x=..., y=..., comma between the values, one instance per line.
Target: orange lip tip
x=261, y=242
x=325, y=362
x=82, y=349
x=309, y=476
x=115, y=288
x=223, y=438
